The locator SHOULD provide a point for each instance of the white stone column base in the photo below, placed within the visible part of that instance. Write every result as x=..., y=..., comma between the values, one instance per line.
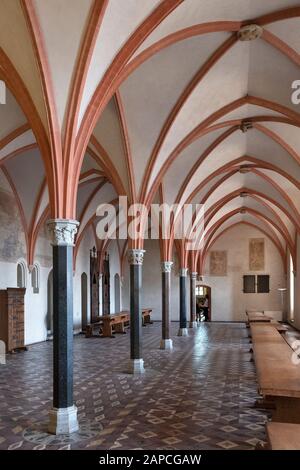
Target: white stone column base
x=63, y=420
x=136, y=366
x=166, y=344
x=193, y=324
x=183, y=332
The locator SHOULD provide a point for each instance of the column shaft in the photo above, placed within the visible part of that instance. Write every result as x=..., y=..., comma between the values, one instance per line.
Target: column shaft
x=135, y=311
x=136, y=364
x=193, y=323
x=62, y=326
x=166, y=305
x=182, y=303
x=166, y=342
x=63, y=416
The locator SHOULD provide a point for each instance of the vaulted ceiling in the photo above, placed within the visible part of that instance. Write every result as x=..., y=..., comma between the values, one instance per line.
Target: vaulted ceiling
x=154, y=100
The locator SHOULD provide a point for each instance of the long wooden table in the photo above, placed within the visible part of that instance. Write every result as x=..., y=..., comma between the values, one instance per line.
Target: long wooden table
x=278, y=377
x=283, y=436
x=115, y=323
x=258, y=317
x=274, y=324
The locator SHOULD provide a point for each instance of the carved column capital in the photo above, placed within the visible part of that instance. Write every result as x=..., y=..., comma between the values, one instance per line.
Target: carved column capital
x=183, y=272
x=194, y=275
x=62, y=231
x=166, y=266
x=136, y=257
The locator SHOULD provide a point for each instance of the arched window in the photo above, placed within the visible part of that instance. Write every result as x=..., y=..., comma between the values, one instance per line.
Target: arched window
x=117, y=293
x=21, y=274
x=35, y=279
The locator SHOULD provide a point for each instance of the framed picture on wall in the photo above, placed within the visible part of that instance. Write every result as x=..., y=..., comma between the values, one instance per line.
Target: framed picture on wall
x=256, y=254
x=218, y=263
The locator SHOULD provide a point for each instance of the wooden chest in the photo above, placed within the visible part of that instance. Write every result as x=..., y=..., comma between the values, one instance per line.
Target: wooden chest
x=12, y=318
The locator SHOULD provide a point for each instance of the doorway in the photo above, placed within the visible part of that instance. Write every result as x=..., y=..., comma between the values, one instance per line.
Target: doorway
x=201, y=292
x=84, y=300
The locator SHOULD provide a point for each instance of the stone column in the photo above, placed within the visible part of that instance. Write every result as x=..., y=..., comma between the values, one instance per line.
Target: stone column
x=183, y=331
x=63, y=416
x=136, y=257
x=193, y=322
x=166, y=342
x=100, y=294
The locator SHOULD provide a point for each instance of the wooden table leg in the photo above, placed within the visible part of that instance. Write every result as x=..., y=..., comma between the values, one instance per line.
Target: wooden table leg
x=266, y=403
x=107, y=330
x=287, y=410
x=119, y=328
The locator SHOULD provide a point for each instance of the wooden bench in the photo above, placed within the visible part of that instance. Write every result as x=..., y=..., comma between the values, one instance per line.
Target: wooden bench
x=146, y=316
x=283, y=436
x=91, y=328
x=274, y=324
x=258, y=317
x=115, y=323
x=278, y=378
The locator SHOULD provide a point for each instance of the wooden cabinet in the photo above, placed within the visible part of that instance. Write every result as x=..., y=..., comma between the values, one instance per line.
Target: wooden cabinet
x=12, y=318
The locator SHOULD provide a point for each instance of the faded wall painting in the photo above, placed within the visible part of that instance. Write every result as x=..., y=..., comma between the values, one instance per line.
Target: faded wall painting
x=218, y=263
x=12, y=240
x=256, y=254
x=43, y=249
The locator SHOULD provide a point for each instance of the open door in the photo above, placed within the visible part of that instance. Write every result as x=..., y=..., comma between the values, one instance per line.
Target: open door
x=203, y=297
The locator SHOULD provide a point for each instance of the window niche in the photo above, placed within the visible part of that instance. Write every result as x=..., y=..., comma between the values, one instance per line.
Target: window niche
x=35, y=279
x=21, y=275
x=249, y=284
x=259, y=284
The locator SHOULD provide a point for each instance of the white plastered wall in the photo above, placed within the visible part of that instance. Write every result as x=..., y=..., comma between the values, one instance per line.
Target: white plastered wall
x=297, y=287
x=229, y=303
x=114, y=267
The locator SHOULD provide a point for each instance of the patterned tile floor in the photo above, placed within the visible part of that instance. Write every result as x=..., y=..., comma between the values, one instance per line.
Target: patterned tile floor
x=199, y=396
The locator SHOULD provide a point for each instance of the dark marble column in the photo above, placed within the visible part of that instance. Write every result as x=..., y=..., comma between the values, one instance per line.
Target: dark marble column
x=63, y=416
x=193, y=278
x=183, y=331
x=100, y=294
x=166, y=342
x=136, y=257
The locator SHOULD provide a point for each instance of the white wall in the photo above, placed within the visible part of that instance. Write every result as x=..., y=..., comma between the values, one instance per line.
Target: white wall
x=35, y=304
x=114, y=267
x=229, y=303
x=297, y=287
x=13, y=249
x=82, y=266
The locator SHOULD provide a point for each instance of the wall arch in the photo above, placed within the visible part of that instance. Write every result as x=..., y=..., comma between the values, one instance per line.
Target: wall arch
x=21, y=274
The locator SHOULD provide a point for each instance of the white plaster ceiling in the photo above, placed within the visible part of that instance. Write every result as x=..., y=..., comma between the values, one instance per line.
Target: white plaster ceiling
x=256, y=74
